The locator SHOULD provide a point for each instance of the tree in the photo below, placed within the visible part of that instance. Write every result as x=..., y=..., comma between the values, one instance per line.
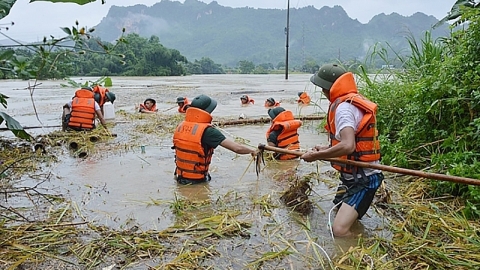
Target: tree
x=246, y=67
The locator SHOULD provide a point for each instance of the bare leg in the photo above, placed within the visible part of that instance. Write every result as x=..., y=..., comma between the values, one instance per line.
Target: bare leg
x=344, y=220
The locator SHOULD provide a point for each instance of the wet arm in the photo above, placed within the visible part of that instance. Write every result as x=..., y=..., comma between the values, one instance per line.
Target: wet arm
x=344, y=147
x=145, y=111
x=100, y=117
x=237, y=148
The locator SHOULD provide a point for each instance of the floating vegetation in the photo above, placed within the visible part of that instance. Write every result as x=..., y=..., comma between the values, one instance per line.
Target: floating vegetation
x=296, y=196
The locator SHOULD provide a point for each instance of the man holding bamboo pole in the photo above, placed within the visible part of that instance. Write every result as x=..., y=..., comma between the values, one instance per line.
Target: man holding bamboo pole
x=195, y=139
x=353, y=135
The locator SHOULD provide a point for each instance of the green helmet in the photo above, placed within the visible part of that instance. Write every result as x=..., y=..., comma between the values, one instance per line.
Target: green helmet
x=205, y=103
x=111, y=96
x=327, y=75
x=180, y=100
x=275, y=112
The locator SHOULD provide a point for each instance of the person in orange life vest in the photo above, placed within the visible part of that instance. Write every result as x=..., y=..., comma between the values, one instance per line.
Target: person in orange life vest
x=148, y=106
x=270, y=102
x=79, y=113
x=353, y=135
x=246, y=100
x=283, y=132
x=183, y=104
x=103, y=95
x=303, y=98
x=195, y=139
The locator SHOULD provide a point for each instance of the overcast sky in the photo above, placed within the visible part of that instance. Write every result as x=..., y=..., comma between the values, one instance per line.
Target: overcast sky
x=38, y=19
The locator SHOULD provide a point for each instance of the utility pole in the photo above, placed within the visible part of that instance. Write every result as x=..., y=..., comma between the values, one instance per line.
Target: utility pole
x=287, y=30
x=303, y=44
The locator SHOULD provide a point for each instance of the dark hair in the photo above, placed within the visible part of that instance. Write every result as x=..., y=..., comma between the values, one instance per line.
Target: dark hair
x=151, y=100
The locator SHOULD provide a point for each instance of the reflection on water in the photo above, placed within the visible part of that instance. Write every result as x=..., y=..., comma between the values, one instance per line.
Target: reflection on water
x=120, y=184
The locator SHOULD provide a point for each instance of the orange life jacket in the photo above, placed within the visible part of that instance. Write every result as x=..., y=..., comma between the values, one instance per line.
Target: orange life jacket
x=274, y=105
x=153, y=109
x=191, y=159
x=367, y=145
x=288, y=137
x=100, y=90
x=249, y=100
x=83, y=110
x=304, y=98
x=185, y=106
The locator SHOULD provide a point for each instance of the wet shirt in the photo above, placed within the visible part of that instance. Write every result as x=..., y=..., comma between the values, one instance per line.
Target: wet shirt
x=273, y=137
x=348, y=115
x=212, y=137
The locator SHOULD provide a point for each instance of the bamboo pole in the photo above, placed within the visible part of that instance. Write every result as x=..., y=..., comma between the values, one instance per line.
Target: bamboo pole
x=435, y=176
x=54, y=126
x=265, y=120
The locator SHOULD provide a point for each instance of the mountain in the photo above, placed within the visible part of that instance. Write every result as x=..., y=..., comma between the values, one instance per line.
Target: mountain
x=228, y=35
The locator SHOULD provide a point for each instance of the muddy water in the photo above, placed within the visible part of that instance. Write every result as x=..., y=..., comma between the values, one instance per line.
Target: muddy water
x=121, y=186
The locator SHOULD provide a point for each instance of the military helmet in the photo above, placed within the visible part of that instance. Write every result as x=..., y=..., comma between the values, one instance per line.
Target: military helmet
x=180, y=100
x=244, y=97
x=205, y=103
x=111, y=96
x=271, y=100
x=327, y=75
x=275, y=112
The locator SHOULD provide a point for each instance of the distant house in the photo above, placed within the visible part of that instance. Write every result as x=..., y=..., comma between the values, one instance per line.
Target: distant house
x=388, y=66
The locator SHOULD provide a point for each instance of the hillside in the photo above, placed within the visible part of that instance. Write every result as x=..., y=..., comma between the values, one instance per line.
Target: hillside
x=228, y=35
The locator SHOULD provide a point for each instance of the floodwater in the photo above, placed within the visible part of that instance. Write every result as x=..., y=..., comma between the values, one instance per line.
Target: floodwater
x=121, y=186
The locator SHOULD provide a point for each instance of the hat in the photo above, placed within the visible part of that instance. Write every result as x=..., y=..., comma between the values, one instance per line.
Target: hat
x=205, y=103
x=271, y=100
x=275, y=112
x=244, y=97
x=111, y=96
x=180, y=99
x=300, y=93
x=327, y=75
x=87, y=88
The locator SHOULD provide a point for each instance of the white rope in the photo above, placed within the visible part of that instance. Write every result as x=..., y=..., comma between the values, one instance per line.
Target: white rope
x=330, y=212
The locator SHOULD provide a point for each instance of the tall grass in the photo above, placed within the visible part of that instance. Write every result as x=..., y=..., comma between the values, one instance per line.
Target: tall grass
x=429, y=108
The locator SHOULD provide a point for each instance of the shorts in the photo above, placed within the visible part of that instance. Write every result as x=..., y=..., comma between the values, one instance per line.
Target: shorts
x=359, y=194
x=185, y=181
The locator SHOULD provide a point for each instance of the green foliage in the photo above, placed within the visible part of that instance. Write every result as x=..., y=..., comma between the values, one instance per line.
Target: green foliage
x=429, y=111
x=135, y=56
x=80, y=2
x=204, y=66
x=14, y=126
x=103, y=81
x=246, y=67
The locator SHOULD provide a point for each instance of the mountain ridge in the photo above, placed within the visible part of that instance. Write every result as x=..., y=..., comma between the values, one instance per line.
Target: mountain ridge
x=228, y=35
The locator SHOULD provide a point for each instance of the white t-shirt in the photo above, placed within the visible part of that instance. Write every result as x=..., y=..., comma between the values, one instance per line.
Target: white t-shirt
x=97, y=107
x=347, y=115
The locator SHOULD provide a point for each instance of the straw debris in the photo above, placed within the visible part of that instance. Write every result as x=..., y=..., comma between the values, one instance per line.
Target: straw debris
x=296, y=196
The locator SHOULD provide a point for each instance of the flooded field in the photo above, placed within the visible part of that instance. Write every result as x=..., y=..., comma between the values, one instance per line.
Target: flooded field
x=125, y=183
